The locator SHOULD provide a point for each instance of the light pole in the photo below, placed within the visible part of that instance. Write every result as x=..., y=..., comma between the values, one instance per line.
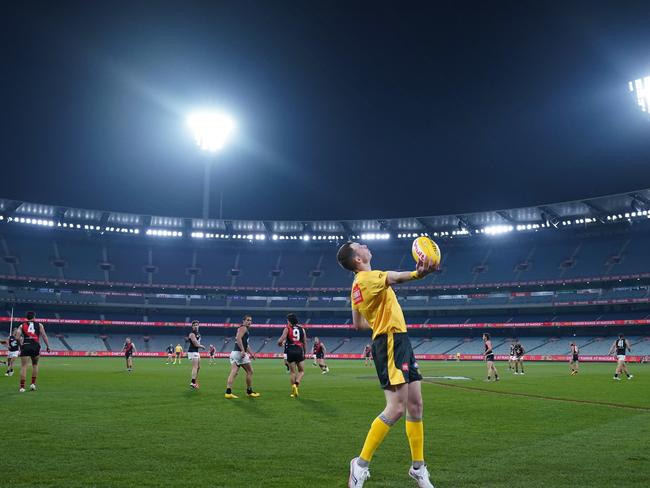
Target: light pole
x=211, y=132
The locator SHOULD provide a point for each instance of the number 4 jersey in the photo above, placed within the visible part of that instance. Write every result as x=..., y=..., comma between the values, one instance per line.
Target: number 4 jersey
x=31, y=333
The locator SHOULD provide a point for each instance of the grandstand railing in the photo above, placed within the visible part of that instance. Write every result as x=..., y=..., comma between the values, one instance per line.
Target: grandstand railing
x=213, y=288
x=221, y=325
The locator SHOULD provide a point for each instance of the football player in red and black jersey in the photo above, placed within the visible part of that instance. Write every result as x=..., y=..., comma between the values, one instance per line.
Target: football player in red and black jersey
x=296, y=344
x=129, y=350
x=29, y=338
x=212, y=351
x=319, y=352
x=367, y=354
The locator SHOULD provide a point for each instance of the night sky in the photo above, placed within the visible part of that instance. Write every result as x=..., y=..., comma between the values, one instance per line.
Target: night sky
x=344, y=109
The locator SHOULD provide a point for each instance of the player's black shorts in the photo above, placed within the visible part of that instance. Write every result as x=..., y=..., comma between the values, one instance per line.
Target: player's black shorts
x=368, y=355
x=575, y=358
x=127, y=355
x=30, y=349
x=519, y=358
x=394, y=359
x=490, y=357
x=295, y=354
x=320, y=355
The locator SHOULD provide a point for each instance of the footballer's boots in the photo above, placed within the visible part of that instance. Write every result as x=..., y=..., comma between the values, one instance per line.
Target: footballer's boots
x=358, y=474
x=421, y=475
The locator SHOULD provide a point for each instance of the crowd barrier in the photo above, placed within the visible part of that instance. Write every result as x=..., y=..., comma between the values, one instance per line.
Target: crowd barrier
x=421, y=357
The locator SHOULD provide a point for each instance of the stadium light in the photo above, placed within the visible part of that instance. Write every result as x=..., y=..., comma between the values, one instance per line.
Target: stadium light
x=641, y=88
x=211, y=129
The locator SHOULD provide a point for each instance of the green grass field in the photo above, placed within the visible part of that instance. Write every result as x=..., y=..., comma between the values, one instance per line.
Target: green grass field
x=91, y=424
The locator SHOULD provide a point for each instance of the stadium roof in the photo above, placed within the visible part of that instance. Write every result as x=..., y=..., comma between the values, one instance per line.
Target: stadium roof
x=592, y=210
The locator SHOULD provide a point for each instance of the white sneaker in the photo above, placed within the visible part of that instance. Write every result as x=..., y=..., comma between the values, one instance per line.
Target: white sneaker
x=358, y=475
x=32, y=387
x=22, y=390
x=617, y=378
x=421, y=475
x=630, y=377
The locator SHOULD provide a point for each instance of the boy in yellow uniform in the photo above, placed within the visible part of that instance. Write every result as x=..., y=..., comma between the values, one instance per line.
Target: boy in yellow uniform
x=375, y=307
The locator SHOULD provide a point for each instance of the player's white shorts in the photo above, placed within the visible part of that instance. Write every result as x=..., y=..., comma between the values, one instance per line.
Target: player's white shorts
x=13, y=354
x=193, y=355
x=239, y=358
x=621, y=357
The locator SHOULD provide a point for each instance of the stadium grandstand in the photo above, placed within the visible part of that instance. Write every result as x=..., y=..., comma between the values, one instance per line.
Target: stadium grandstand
x=545, y=274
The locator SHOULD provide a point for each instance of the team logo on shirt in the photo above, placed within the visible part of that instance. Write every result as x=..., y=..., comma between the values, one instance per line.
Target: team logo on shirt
x=357, y=296
x=405, y=367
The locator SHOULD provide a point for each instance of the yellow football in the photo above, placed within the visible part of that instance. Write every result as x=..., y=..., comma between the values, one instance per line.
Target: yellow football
x=424, y=248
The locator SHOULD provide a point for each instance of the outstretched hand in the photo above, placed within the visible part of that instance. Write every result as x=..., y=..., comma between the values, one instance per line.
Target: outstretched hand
x=425, y=267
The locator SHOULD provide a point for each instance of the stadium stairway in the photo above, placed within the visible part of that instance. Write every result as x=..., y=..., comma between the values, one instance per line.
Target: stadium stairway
x=226, y=341
x=461, y=342
x=552, y=339
x=264, y=343
x=339, y=345
x=427, y=339
x=63, y=341
x=106, y=343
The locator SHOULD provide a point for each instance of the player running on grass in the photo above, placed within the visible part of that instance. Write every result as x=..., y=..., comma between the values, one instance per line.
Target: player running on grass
x=295, y=338
x=375, y=307
x=621, y=346
x=519, y=357
x=574, y=361
x=129, y=350
x=489, y=358
x=212, y=352
x=13, y=351
x=319, y=354
x=240, y=357
x=193, y=353
x=170, y=354
x=367, y=354
x=29, y=338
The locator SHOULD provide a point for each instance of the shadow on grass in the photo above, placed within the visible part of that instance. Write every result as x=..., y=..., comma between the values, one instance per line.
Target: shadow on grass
x=319, y=407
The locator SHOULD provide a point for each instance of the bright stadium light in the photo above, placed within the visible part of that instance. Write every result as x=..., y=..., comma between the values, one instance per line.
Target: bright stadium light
x=641, y=88
x=211, y=129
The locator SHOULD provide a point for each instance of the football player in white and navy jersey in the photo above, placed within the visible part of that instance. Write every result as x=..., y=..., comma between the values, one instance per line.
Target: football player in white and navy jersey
x=13, y=351
x=621, y=346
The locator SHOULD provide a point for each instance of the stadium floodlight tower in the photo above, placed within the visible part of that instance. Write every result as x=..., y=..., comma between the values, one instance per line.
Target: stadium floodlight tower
x=212, y=130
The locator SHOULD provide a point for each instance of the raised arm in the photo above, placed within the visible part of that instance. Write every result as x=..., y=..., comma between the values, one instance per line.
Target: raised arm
x=422, y=269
